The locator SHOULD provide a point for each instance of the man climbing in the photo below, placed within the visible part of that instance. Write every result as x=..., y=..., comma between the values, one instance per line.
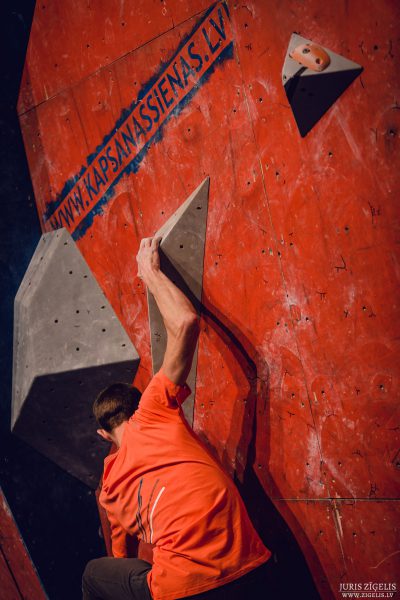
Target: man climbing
x=164, y=487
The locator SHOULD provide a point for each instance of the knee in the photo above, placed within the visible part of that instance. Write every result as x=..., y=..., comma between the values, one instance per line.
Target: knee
x=89, y=574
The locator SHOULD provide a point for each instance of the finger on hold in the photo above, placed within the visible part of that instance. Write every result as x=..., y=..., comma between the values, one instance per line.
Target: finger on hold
x=146, y=242
x=155, y=242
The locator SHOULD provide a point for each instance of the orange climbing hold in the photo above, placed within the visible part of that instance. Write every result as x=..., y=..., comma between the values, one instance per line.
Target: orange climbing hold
x=311, y=56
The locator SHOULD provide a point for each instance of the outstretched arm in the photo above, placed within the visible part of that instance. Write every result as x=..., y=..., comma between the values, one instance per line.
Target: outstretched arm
x=180, y=318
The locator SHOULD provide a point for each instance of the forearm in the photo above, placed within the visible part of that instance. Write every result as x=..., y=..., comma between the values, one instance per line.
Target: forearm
x=176, y=310
x=179, y=316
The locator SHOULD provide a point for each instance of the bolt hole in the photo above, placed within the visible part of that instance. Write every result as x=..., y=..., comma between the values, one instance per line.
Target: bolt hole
x=306, y=50
x=198, y=207
x=55, y=320
x=123, y=345
x=318, y=61
x=77, y=311
x=70, y=272
x=77, y=348
x=180, y=245
x=103, y=330
x=102, y=307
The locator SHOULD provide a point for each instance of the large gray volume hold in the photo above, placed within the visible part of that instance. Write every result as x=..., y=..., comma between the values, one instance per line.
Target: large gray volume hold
x=182, y=257
x=68, y=346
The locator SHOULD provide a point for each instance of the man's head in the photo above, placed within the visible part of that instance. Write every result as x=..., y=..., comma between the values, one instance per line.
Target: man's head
x=114, y=406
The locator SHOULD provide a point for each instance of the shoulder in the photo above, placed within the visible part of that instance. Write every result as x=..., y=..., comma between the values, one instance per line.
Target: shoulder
x=162, y=393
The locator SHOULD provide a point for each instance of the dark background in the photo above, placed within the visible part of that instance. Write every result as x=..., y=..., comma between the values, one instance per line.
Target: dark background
x=56, y=514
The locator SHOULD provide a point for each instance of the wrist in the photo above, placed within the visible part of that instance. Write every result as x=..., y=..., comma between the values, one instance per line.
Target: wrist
x=152, y=276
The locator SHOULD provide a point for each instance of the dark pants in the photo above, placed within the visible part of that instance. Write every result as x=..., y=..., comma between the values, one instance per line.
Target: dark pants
x=125, y=579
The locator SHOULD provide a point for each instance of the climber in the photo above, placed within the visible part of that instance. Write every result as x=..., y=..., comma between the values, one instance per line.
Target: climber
x=164, y=487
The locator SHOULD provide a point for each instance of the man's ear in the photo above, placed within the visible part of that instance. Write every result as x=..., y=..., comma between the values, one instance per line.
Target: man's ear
x=105, y=435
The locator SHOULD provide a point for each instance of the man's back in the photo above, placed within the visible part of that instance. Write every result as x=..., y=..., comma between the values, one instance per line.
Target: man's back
x=164, y=487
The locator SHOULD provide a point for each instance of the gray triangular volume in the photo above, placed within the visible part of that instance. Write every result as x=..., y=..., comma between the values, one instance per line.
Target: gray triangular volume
x=312, y=93
x=68, y=346
x=182, y=256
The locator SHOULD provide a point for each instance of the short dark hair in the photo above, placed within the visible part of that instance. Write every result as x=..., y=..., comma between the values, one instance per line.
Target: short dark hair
x=115, y=404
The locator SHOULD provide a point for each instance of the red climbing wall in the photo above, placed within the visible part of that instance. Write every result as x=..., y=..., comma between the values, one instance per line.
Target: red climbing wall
x=18, y=577
x=300, y=262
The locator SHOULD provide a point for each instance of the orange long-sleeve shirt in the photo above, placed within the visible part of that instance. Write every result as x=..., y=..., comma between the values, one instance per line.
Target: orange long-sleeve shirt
x=164, y=487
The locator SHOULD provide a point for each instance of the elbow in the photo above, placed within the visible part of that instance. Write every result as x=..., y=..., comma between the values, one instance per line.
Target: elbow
x=190, y=325
x=185, y=327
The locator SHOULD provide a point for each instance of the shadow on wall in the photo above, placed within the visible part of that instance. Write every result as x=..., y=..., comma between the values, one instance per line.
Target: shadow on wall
x=291, y=570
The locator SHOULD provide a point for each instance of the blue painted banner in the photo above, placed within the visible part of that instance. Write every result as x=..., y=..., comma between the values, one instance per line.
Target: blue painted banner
x=141, y=124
